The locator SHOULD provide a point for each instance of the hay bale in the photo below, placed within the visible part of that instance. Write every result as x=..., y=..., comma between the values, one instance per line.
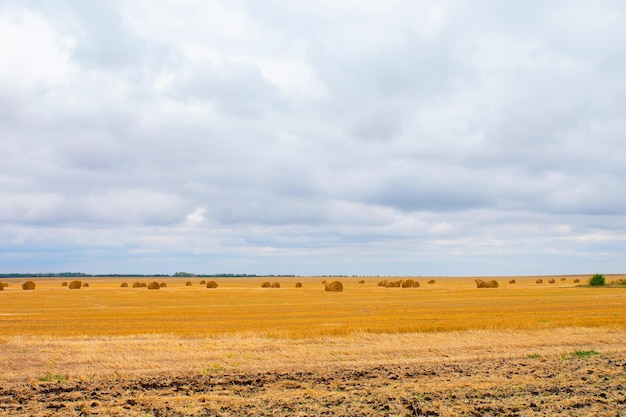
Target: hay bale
x=28, y=285
x=393, y=284
x=211, y=284
x=432, y=281
x=334, y=286
x=143, y=285
x=539, y=281
x=512, y=281
x=86, y=285
x=203, y=282
x=266, y=285
x=552, y=281
x=1, y=287
x=75, y=285
x=64, y=284
x=124, y=285
x=154, y=286
x=577, y=280
x=361, y=282
x=563, y=279
x=410, y=283
x=298, y=285
x=487, y=284
x=188, y=283
x=136, y=284
x=382, y=283
x=162, y=285
x=5, y=284
x=275, y=285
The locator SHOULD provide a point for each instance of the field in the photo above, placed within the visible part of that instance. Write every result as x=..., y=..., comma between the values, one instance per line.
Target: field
x=446, y=348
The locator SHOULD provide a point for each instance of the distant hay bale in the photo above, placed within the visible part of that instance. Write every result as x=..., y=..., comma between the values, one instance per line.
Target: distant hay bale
x=487, y=284
x=393, y=284
x=266, y=285
x=28, y=285
x=124, y=285
x=202, y=282
x=432, y=281
x=86, y=285
x=5, y=284
x=577, y=280
x=512, y=281
x=334, y=286
x=410, y=283
x=539, y=281
x=275, y=285
x=154, y=286
x=382, y=283
x=563, y=279
x=211, y=284
x=136, y=284
x=143, y=285
x=298, y=285
x=1, y=287
x=552, y=281
x=162, y=285
x=361, y=282
x=188, y=283
x=75, y=285
x=64, y=284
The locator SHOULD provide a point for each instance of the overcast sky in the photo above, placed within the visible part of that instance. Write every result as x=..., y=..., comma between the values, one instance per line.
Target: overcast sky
x=365, y=137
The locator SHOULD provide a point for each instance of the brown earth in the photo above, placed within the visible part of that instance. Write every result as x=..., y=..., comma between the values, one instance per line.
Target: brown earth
x=592, y=385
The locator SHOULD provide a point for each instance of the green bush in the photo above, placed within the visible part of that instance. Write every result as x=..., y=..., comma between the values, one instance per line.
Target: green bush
x=597, y=280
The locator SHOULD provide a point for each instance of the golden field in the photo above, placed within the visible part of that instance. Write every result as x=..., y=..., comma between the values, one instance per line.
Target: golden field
x=444, y=349
x=240, y=305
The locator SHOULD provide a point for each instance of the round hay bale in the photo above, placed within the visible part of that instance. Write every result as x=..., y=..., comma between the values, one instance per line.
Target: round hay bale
x=75, y=285
x=162, y=285
x=334, y=286
x=361, y=282
x=211, y=284
x=487, y=284
x=539, y=281
x=432, y=281
x=203, y=282
x=1, y=287
x=552, y=281
x=143, y=285
x=86, y=285
x=563, y=279
x=154, y=286
x=393, y=284
x=410, y=283
x=64, y=284
x=577, y=280
x=266, y=285
x=28, y=285
x=124, y=285
x=275, y=285
x=512, y=281
x=136, y=284
x=5, y=284
x=188, y=283
x=382, y=283
x=298, y=285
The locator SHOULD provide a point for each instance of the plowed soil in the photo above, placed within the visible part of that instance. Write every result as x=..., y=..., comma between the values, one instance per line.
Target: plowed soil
x=592, y=385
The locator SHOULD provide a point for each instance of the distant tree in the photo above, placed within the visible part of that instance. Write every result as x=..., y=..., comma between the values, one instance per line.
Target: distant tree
x=597, y=280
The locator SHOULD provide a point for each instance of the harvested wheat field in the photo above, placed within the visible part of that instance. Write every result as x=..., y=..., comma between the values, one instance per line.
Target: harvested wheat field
x=445, y=349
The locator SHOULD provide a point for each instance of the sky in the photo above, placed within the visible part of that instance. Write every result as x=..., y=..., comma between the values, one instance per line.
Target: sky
x=353, y=137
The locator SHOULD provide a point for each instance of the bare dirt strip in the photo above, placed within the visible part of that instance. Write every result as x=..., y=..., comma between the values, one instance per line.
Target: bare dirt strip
x=593, y=385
